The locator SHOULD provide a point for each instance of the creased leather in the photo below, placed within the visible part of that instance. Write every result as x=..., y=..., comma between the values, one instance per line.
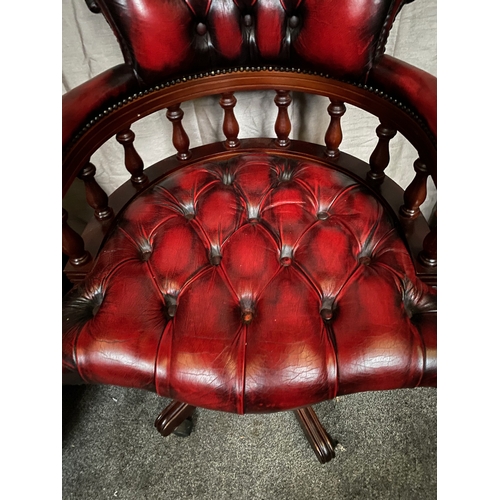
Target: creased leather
x=410, y=85
x=81, y=103
x=253, y=285
x=163, y=38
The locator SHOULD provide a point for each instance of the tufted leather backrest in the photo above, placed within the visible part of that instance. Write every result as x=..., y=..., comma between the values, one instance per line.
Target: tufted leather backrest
x=164, y=38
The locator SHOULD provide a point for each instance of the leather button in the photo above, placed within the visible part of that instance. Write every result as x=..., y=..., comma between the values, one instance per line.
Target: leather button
x=253, y=213
x=247, y=20
x=285, y=261
x=293, y=22
x=286, y=255
x=145, y=249
x=326, y=314
x=215, y=255
x=201, y=29
x=246, y=317
x=247, y=310
x=365, y=261
x=145, y=255
x=327, y=307
x=227, y=178
x=322, y=215
x=215, y=260
x=170, y=307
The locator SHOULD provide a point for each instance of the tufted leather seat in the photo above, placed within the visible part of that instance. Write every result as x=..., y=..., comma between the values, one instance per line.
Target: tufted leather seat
x=257, y=275
x=252, y=285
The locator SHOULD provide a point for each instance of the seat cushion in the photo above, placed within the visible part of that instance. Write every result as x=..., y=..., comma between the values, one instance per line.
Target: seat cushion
x=257, y=284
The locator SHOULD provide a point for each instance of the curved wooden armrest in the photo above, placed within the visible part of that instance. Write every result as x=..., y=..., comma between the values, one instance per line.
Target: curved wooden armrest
x=412, y=86
x=83, y=102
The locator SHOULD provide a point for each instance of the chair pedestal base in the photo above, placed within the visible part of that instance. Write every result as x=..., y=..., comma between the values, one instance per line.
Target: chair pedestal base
x=322, y=444
x=176, y=419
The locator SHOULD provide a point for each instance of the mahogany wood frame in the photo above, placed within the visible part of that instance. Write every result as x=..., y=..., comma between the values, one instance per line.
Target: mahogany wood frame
x=117, y=120
x=393, y=115
x=121, y=116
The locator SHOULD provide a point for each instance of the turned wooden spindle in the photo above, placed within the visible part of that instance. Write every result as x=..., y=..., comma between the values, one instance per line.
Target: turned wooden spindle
x=96, y=197
x=230, y=126
x=428, y=255
x=416, y=192
x=379, y=160
x=283, y=126
x=72, y=244
x=180, y=139
x=133, y=162
x=333, y=136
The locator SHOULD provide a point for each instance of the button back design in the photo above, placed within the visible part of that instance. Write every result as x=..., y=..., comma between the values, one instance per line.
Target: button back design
x=252, y=290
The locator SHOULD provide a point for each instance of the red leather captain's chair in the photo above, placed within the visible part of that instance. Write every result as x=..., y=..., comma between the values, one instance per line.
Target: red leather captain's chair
x=255, y=274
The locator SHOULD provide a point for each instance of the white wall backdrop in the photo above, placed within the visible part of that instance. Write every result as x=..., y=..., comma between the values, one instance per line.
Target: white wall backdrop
x=89, y=47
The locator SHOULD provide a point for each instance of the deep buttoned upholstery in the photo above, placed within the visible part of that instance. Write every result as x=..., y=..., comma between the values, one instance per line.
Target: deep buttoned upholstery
x=255, y=284
x=165, y=40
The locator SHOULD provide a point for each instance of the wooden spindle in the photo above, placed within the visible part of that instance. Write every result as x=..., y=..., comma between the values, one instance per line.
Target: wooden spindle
x=230, y=126
x=72, y=244
x=428, y=255
x=333, y=136
x=283, y=126
x=379, y=160
x=133, y=162
x=180, y=139
x=96, y=197
x=416, y=192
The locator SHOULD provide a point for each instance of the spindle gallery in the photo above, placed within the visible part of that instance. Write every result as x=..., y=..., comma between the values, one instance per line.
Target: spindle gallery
x=252, y=274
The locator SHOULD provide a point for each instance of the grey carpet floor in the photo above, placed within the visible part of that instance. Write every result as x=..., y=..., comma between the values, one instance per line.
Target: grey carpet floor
x=386, y=450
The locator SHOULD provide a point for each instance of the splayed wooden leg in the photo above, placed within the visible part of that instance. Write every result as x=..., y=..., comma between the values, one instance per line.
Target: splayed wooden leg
x=322, y=444
x=175, y=418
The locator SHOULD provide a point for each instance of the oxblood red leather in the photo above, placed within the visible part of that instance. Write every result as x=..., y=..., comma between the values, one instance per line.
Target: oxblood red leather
x=82, y=102
x=165, y=39
x=161, y=38
x=408, y=84
x=252, y=285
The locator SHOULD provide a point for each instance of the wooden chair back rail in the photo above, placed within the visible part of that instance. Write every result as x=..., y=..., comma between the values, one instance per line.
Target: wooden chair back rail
x=414, y=195
x=107, y=125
